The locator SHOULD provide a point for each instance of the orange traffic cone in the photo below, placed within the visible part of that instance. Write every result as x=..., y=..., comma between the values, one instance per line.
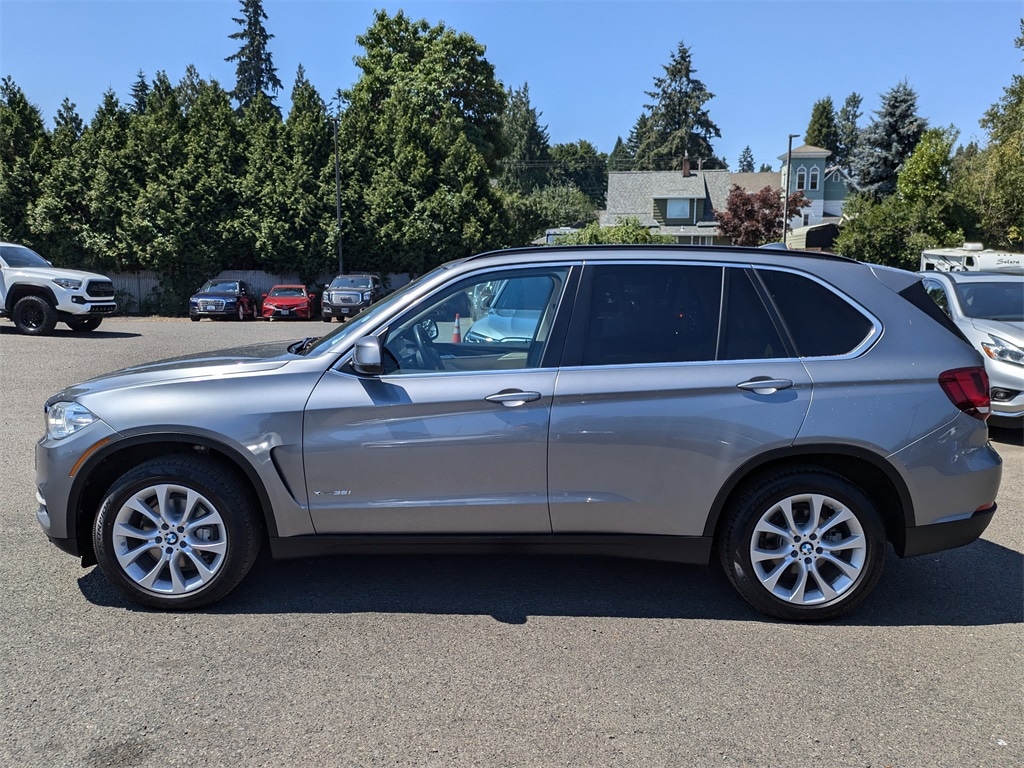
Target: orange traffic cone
x=457, y=333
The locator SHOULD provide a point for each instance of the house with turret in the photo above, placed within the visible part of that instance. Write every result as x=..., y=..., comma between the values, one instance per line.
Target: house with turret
x=682, y=203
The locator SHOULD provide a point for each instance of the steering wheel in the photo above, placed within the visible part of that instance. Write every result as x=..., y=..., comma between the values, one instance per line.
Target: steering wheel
x=426, y=356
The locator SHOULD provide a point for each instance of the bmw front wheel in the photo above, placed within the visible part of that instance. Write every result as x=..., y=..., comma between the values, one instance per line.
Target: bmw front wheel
x=176, y=533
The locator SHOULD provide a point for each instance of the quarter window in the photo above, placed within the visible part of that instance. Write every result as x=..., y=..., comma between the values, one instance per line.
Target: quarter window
x=820, y=323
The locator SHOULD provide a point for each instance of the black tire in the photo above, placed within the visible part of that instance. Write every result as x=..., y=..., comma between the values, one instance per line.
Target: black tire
x=193, y=319
x=84, y=324
x=815, y=564
x=326, y=319
x=34, y=316
x=241, y=314
x=167, y=558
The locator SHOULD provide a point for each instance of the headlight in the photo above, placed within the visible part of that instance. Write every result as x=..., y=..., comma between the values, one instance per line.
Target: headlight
x=67, y=283
x=64, y=419
x=1003, y=351
x=366, y=296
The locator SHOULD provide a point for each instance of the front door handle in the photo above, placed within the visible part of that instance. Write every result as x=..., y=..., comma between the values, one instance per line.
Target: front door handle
x=512, y=398
x=762, y=385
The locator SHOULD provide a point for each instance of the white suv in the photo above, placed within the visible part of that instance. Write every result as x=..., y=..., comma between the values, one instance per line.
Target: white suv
x=36, y=295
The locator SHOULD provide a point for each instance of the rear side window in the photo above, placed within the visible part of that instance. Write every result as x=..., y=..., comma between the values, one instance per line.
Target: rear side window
x=821, y=323
x=652, y=313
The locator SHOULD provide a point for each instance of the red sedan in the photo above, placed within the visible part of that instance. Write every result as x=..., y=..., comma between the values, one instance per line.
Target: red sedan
x=289, y=301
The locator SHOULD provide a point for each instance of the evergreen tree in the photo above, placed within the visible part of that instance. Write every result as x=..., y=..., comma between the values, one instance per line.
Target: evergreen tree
x=113, y=174
x=208, y=233
x=24, y=161
x=310, y=189
x=680, y=124
x=422, y=141
x=140, y=91
x=527, y=163
x=887, y=142
x=580, y=165
x=847, y=131
x=823, y=131
x=746, y=164
x=764, y=168
x=262, y=216
x=60, y=214
x=620, y=159
x=255, y=72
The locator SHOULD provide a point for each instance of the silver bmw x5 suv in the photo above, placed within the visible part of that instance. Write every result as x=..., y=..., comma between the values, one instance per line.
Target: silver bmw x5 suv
x=789, y=414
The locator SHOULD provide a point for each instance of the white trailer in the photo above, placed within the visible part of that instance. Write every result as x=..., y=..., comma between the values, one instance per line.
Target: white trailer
x=971, y=257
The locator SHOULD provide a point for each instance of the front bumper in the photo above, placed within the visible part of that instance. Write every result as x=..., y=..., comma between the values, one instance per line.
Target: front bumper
x=344, y=310
x=286, y=313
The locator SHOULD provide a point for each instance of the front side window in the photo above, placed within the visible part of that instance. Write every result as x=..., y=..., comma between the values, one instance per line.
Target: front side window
x=499, y=320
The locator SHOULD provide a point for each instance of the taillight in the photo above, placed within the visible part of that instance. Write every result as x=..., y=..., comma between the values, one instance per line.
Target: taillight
x=967, y=388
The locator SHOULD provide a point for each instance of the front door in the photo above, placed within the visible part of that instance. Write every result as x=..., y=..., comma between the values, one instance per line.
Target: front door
x=452, y=437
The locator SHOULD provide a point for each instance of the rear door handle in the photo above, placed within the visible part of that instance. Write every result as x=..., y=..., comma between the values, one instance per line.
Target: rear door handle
x=762, y=385
x=512, y=398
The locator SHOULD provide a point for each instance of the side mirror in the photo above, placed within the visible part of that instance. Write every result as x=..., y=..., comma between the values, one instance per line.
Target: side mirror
x=367, y=358
x=264, y=295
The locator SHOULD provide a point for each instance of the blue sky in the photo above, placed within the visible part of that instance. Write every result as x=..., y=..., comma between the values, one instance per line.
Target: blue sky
x=587, y=64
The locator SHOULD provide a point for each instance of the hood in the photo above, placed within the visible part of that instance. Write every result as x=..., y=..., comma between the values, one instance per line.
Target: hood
x=282, y=300
x=219, y=363
x=1011, y=330
x=51, y=272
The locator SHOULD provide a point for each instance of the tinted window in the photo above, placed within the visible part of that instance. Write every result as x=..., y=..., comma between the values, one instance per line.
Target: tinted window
x=652, y=313
x=20, y=256
x=820, y=322
x=748, y=331
x=992, y=301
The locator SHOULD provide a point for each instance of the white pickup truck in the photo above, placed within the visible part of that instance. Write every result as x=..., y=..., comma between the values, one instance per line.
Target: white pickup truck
x=36, y=295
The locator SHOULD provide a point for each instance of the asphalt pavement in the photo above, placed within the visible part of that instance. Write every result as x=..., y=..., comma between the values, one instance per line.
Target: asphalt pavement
x=489, y=660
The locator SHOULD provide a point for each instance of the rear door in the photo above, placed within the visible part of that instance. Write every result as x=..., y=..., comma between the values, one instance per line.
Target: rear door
x=674, y=376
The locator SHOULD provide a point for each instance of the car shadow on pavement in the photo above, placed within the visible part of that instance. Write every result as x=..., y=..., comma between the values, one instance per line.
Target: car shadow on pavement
x=1006, y=436
x=973, y=586
x=67, y=333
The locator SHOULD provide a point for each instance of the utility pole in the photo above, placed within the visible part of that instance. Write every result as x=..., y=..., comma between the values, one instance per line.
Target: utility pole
x=785, y=191
x=337, y=192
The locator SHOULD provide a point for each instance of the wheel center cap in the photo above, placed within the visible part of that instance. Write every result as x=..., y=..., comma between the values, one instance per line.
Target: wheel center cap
x=171, y=538
x=806, y=548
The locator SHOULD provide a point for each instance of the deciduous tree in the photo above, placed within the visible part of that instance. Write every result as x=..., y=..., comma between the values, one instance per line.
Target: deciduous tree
x=755, y=218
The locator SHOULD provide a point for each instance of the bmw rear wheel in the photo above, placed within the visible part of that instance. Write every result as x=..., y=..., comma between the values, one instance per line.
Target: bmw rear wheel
x=176, y=533
x=804, y=545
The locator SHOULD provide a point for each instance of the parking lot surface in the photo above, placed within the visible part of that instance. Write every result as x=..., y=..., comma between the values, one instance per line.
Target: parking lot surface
x=489, y=660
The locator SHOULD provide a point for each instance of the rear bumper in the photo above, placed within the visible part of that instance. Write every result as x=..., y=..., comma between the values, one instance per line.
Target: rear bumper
x=947, y=534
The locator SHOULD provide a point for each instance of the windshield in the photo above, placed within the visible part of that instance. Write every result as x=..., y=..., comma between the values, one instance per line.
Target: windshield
x=1002, y=300
x=219, y=286
x=20, y=256
x=357, y=326
x=352, y=281
x=286, y=290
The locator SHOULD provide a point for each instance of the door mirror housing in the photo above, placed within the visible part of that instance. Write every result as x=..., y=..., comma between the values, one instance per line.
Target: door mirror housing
x=367, y=358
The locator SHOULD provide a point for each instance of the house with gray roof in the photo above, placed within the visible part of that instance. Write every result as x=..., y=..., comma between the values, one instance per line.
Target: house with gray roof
x=682, y=203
